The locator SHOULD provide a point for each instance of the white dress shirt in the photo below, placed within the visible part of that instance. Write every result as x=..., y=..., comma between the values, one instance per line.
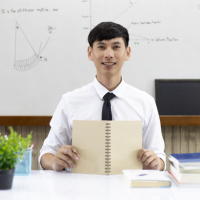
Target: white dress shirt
x=86, y=103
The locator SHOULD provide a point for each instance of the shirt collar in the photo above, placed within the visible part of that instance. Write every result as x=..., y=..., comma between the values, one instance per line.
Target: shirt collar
x=101, y=90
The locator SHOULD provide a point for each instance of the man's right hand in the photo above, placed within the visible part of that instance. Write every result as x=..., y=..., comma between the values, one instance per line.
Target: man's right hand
x=65, y=157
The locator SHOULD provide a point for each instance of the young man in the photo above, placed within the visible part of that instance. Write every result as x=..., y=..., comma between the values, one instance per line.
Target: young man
x=108, y=50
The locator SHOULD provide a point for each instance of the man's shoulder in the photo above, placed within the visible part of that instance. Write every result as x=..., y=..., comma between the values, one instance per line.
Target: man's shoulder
x=137, y=93
x=79, y=92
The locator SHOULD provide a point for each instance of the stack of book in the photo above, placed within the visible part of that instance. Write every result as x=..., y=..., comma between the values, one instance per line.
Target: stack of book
x=185, y=169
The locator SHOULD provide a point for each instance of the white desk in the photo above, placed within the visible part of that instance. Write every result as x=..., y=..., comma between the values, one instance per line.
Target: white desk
x=51, y=185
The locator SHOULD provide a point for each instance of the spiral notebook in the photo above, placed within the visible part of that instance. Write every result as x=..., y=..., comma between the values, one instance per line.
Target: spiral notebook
x=107, y=147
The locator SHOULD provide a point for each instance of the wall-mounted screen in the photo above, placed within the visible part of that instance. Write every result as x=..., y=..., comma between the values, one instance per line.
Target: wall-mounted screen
x=178, y=97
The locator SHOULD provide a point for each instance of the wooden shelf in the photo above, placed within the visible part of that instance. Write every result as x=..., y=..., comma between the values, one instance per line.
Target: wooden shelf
x=44, y=120
x=180, y=120
x=25, y=120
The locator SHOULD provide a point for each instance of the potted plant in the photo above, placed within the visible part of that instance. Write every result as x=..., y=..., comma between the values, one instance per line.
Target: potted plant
x=12, y=148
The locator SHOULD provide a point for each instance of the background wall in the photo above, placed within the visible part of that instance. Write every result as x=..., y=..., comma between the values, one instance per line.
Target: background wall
x=43, y=47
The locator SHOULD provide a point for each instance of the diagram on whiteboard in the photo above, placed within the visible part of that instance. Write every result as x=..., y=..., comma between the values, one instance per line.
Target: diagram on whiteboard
x=136, y=29
x=26, y=57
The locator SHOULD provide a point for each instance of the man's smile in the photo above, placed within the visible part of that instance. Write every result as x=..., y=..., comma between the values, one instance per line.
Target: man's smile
x=108, y=64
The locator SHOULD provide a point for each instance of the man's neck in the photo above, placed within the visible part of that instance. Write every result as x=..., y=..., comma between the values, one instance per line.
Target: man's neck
x=110, y=83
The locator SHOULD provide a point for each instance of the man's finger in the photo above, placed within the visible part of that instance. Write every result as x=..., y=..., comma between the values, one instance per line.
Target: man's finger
x=150, y=159
x=154, y=163
x=68, y=151
x=146, y=155
x=70, y=162
x=140, y=154
x=75, y=151
x=62, y=163
x=63, y=157
x=66, y=159
x=72, y=155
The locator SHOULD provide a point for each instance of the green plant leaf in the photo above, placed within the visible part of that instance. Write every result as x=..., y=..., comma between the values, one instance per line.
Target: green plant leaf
x=13, y=148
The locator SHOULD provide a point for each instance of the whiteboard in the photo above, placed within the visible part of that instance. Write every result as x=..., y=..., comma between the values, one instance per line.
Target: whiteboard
x=43, y=47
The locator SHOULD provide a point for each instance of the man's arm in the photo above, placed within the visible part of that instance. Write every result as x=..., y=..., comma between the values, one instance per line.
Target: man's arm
x=56, y=152
x=152, y=138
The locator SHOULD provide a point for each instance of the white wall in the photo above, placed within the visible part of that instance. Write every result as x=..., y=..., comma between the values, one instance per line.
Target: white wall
x=164, y=37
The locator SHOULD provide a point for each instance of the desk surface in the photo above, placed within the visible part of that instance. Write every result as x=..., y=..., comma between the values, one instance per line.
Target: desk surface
x=53, y=185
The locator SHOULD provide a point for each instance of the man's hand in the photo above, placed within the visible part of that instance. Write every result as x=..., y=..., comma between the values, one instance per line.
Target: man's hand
x=65, y=157
x=150, y=160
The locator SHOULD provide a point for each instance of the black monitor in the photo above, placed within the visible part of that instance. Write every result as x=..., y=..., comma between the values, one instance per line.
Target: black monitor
x=178, y=97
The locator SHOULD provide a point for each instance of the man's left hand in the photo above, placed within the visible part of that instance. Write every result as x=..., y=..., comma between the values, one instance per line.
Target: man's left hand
x=150, y=160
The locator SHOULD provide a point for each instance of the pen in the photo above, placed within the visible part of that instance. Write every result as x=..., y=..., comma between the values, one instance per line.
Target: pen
x=32, y=145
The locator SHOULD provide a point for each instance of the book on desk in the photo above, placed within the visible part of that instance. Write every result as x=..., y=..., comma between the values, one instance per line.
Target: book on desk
x=146, y=178
x=185, y=169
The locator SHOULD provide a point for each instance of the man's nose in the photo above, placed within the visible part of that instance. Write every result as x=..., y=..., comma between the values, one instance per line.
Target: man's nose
x=108, y=53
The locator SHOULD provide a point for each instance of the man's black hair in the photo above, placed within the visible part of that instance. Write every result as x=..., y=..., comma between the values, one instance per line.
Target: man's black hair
x=108, y=31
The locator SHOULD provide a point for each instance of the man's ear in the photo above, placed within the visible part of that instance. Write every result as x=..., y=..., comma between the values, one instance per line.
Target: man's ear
x=128, y=53
x=89, y=50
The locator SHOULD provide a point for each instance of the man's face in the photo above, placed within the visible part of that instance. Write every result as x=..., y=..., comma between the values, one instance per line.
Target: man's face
x=109, y=56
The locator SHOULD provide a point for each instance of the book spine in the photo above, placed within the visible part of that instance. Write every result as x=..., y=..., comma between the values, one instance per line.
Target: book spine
x=108, y=148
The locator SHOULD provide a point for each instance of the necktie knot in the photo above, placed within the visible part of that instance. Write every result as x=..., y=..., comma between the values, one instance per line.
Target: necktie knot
x=108, y=96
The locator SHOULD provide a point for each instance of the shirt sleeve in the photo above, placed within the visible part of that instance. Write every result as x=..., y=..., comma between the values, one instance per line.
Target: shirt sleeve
x=60, y=133
x=152, y=134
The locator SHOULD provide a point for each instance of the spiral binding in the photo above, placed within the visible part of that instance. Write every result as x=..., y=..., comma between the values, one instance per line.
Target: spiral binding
x=107, y=149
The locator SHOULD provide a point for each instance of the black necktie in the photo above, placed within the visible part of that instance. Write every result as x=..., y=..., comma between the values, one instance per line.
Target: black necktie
x=106, y=112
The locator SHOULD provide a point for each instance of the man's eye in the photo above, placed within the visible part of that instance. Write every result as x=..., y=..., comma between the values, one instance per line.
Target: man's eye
x=101, y=47
x=116, y=47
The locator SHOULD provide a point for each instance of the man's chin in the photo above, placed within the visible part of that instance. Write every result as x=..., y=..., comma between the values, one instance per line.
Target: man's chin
x=109, y=74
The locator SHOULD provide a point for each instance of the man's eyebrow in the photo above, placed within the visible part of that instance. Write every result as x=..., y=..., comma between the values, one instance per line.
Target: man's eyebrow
x=116, y=42
x=112, y=43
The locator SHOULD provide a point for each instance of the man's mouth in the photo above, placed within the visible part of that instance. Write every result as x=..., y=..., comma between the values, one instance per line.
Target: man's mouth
x=108, y=63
